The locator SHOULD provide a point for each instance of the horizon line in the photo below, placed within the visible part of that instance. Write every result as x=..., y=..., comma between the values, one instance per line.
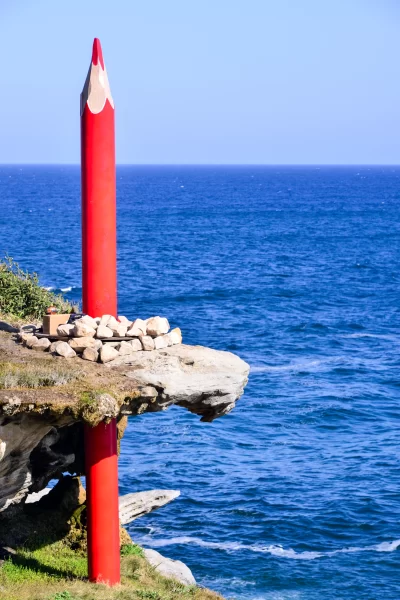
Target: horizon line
x=123, y=164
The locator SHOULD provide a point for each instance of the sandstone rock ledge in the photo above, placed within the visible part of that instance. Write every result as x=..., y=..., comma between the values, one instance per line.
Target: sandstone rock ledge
x=45, y=401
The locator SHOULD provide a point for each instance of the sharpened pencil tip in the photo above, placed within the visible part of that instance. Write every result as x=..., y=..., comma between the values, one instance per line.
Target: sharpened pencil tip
x=97, y=54
x=96, y=90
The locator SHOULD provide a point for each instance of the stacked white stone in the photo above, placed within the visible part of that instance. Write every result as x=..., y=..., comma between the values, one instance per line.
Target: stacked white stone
x=87, y=337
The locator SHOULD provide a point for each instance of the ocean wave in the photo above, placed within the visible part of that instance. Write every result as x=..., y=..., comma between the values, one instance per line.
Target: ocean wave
x=308, y=364
x=275, y=549
x=54, y=288
x=377, y=336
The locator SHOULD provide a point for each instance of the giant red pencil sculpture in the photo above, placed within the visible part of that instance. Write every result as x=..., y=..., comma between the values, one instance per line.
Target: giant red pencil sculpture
x=99, y=283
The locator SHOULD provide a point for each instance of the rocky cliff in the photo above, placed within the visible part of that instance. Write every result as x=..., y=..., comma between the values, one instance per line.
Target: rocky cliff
x=45, y=402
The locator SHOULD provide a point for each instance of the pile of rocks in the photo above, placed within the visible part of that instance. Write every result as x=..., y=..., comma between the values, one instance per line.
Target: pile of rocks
x=91, y=338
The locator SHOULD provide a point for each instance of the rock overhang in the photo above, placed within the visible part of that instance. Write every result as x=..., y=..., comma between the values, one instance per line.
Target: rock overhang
x=41, y=428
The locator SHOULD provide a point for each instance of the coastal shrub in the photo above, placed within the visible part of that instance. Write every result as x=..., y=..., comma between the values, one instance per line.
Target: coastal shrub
x=22, y=297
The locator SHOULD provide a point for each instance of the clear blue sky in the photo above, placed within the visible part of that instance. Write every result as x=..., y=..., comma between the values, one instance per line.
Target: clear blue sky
x=206, y=81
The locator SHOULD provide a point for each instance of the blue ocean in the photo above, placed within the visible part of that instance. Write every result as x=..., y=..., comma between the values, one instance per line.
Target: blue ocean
x=295, y=495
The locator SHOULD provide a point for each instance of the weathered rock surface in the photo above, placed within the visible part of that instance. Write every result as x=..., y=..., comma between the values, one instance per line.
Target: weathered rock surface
x=112, y=323
x=135, y=505
x=30, y=340
x=104, y=332
x=65, y=330
x=104, y=320
x=36, y=496
x=65, y=350
x=157, y=326
x=41, y=426
x=162, y=341
x=89, y=321
x=24, y=337
x=42, y=344
x=90, y=354
x=124, y=348
x=80, y=343
x=136, y=345
x=147, y=342
x=205, y=381
x=174, y=569
x=108, y=353
x=81, y=329
x=120, y=330
x=19, y=438
x=124, y=320
x=54, y=345
x=137, y=329
x=175, y=335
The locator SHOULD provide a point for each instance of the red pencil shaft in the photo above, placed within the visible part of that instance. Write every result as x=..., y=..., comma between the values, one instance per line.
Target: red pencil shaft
x=99, y=291
x=99, y=259
x=102, y=501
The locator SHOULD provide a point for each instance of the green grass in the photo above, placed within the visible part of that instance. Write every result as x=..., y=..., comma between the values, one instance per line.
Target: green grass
x=22, y=297
x=55, y=561
x=131, y=550
x=56, y=572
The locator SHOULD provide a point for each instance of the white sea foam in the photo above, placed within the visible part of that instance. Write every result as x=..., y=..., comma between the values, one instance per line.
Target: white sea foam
x=274, y=549
x=377, y=336
x=387, y=546
x=274, y=595
x=51, y=288
x=308, y=364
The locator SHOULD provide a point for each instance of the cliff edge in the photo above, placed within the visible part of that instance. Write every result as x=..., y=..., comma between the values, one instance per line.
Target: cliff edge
x=45, y=402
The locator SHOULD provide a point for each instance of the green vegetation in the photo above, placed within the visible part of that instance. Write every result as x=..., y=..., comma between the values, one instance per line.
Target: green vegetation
x=56, y=572
x=131, y=550
x=21, y=296
x=31, y=375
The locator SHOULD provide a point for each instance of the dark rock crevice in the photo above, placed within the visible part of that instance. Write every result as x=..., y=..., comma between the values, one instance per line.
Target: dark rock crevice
x=60, y=451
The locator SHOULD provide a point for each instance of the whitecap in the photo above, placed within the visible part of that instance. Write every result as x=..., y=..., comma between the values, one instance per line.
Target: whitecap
x=230, y=546
x=66, y=289
x=387, y=546
x=274, y=549
x=289, y=553
x=372, y=335
x=308, y=364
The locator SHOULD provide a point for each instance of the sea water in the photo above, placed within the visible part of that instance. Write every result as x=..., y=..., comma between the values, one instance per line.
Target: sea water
x=296, y=494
